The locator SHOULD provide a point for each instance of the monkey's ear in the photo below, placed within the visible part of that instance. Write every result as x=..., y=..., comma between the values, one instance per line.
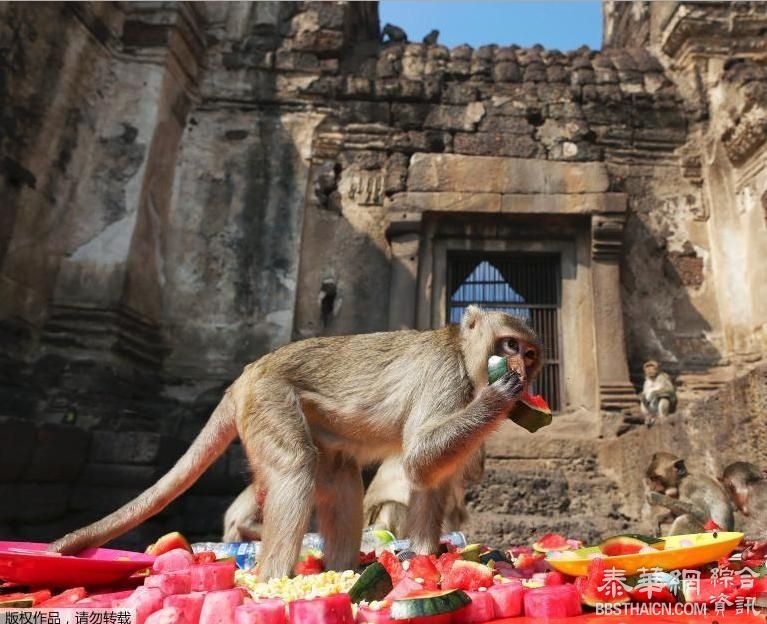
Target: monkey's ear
x=471, y=317
x=680, y=468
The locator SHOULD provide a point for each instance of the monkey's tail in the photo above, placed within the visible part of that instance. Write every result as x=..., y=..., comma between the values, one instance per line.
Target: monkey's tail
x=217, y=434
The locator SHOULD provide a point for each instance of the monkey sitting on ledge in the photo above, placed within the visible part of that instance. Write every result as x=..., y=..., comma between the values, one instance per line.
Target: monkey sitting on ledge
x=691, y=499
x=313, y=412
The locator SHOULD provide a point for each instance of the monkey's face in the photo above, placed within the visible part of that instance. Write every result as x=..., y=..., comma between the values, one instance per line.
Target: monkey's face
x=664, y=474
x=738, y=492
x=522, y=355
x=650, y=371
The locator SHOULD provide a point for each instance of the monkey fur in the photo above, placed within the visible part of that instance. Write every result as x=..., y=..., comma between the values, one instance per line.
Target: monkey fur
x=693, y=499
x=312, y=413
x=747, y=486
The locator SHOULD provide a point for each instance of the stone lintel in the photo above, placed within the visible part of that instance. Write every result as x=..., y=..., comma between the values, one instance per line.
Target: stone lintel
x=402, y=224
x=566, y=204
x=492, y=174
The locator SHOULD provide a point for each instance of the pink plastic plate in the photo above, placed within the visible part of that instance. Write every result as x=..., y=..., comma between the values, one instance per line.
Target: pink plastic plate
x=28, y=563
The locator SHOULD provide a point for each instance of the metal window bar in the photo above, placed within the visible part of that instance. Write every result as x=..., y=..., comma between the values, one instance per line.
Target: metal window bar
x=527, y=286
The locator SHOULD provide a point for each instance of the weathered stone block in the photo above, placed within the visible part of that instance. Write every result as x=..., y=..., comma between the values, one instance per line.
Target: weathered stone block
x=134, y=447
x=411, y=141
x=120, y=475
x=460, y=93
x=288, y=60
x=506, y=123
x=395, y=177
x=33, y=502
x=453, y=172
x=17, y=443
x=410, y=116
x=506, y=491
x=487, y=143
x=361, y=112
x=574, y=203
x=205, y=514
x=101, y=498
x=60, y=454
x=445, y=202
x=455, y=117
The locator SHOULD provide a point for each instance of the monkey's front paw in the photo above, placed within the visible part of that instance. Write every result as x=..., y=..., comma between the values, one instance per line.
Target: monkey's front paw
x=510, y=385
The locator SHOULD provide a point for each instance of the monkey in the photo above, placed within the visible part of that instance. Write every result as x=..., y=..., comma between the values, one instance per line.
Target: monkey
x=312, y=413
x=394, y=33
x=431, y=38
x=386, y=499
x=692, y=498
x=747, y=486
x=658, y=394
x=384, y=505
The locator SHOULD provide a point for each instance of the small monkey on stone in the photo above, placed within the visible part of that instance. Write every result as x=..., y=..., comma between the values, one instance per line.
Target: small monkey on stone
x=313, y=412
x=395, y=34
x=658, y=394
x=747, y=486
x=692, y=499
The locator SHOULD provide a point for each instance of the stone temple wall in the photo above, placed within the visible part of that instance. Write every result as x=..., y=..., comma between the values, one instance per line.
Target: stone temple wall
x=186, y=186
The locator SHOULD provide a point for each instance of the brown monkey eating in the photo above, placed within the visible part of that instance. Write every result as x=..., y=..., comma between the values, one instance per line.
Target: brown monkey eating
x=311, y=413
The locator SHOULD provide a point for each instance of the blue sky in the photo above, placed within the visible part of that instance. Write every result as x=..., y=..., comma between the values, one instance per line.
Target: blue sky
x=560, y=25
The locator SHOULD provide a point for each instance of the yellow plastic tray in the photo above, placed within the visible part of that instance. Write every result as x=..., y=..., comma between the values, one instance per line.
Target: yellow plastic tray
x=681, y=552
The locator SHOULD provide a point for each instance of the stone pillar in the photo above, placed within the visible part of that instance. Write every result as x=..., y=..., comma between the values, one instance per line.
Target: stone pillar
x=405, y=241
x=615, y=390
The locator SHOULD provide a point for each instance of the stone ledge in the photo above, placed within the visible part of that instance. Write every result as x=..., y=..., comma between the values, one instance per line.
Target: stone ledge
x=492, y=174
x=566, y=204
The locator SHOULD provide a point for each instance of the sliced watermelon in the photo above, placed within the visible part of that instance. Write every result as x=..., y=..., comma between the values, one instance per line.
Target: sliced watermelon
x=173, y=560
x=599, y=588
x=168, y=542
x=65, y=598
x=429, y=603
x=308, y=565
x=267, y=611
x=480, y=609
x=335, y=609
x=178, y=582
x=551, y=541
x=525, y=561
x=655, y=587
x=393, y=566
x=555, y=601
x=212, y=576
x=368, y=615
x=713, y=590
x=190, y=604
x=406, y=587
x=468, y=575
x=35, y=598
x=105, y=600
x=205, y=556
x=146, y=600
x=531, y=412
x=507, y=599
x=630, y=544
x=373, y=584
x=446, y=561
x=218, y=606
x=167, y=615
x=421, y=569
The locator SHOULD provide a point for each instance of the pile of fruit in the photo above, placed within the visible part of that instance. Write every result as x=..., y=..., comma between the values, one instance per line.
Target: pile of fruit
x=461, y=586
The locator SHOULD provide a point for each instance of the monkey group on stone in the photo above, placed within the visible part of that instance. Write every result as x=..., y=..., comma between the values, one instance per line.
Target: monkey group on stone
x=691, y=499
x=312, y=413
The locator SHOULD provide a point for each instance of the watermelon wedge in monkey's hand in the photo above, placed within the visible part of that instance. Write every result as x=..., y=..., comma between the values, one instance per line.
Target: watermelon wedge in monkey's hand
x=531, y=412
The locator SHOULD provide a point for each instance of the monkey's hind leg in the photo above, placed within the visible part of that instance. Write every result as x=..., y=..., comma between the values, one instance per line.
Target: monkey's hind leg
x=426, y=513
x=339, y=510
x=281, y=451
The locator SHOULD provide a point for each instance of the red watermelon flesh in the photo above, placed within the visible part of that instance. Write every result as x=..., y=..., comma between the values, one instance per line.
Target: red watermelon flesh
x=178, y=582
x=335, y=609
x=65, y=598
x=712, y=590
x=551, y=541
x=599, y=588
x=218, y=606
x=507, y=599
x=555, y=601
x=269, y=611
x=373, y=616
x=212, y=576
x=480, y=609
x=105, y=601
x=173, y=561
x=190, y=604
x=468, y=575
x=168, y=542
x=446, y=561
x=406, y=587
x=146, y=600
x=536, y=402
x=421, y=568
x=392, y=565
x=167, y=615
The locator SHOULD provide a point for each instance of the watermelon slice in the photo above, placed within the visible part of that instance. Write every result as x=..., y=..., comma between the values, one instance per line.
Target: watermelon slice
x=218, y=606
x=173, y=560
x=531, y=412
x=551, y=541
x=655, y=587
x=34, y=598
x=598, y=587
x=429, y=603
x=421, y=569
x=105, y=601
x=507, y=599
x=468, y=575
x=630, y=544
x=178, y=582
x=406, y=587
x=167, y=615
x=368, y=615
x=393, y=566
x=446, y=561
x=268, y=611
x=146, y=600
x=65, y=599
x=212, y=576
x=713, y=590
x=373, y=584
x=334, y=609
x=190, y=604
x=480, y=609
x=168, y=542
x=555, y=601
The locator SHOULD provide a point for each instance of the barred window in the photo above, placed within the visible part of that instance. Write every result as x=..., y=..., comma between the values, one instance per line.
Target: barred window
x=523, y=285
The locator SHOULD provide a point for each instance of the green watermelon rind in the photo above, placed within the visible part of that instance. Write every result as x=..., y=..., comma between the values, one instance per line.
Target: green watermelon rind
x=429, y=603
x=373, y=584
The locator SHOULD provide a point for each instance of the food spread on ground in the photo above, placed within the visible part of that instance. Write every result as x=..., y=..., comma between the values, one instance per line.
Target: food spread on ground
x=554, y=577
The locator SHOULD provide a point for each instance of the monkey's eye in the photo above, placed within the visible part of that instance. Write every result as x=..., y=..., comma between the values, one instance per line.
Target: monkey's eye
x=510, y=346
x=530, y=356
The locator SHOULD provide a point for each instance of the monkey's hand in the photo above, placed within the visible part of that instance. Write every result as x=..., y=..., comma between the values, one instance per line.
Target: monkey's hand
x=509, y=387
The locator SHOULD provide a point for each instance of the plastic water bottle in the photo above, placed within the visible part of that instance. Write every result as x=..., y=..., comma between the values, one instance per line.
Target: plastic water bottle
x=455, y=538
x=245, y=553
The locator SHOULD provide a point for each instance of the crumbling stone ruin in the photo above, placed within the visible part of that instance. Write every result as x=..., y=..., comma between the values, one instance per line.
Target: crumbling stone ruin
x=186, y=186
